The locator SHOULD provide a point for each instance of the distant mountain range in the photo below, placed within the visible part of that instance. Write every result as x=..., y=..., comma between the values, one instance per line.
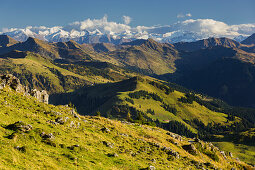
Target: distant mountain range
x=104, y=31
x=220, y=67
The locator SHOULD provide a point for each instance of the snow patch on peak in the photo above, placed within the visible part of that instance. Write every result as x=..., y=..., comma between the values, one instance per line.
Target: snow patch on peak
x=188, y=30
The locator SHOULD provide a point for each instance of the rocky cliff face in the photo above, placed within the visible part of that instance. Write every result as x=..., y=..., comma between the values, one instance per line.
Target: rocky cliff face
x=14, y=83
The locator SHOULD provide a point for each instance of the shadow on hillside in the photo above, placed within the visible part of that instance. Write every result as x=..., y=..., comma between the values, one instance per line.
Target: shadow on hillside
x=88, y=100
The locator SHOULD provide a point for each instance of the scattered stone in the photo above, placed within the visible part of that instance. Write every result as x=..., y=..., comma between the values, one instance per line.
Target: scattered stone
x=166, y=149
x=47, y=136
x=21, y=126
x=73, y=147
x=113, y=155
x=108, y=144
x=176, y=155
x=123, y=134
x=61, y=120
x=197, y=140
x=22, y=149
x=207, y=164
x=127, y=123
x=190, y=148
x=78, y=124
x=154, y=160
x=52, y=122
x=84, y=120
x=223, y=154
x=171, y=152
x=175, y=136
x=75, y=115
x=142, y=140
x=57, y=113
x=151, y=168
x=104, y=129
x=157, y=145
x=199, y=166
x=72, y=124
x=230, y=154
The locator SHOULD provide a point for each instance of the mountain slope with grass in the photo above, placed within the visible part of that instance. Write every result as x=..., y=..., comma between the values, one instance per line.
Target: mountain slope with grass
x=40, y=72
x=36, y=135
x=149, y=101
x=146, y=56
x=146, y=99
x=206, y=43
x=221, y=72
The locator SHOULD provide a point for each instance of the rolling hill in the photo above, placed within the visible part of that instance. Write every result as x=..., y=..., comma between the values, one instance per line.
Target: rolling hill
x=41, y=72
x=144, y=96
x=146, y=56
x=37, y=135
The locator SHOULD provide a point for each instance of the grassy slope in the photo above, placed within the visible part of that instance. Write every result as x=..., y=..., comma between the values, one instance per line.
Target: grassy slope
x=132, y=143
x=243, y=152
x=37, y=64
x=57, y=79
x=149, y=57
x=184, y=111
x=149, y=60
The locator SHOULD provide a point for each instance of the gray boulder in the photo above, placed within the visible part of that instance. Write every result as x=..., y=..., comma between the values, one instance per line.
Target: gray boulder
x=190, y=148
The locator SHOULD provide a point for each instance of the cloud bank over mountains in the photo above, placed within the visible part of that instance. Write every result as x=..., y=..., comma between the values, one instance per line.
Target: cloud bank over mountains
x=104, y=30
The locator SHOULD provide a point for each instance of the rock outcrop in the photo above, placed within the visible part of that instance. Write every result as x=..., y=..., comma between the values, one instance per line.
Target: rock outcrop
x=14, y=83
x=41, y=96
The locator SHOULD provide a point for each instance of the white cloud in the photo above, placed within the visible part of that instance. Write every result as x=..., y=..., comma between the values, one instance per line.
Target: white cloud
x=103, y=25
x=9, y=29
x=216, y=28
x=188, y=30
x=126, y=19
x=184, y=15
x=188, y=15
x=180, y=16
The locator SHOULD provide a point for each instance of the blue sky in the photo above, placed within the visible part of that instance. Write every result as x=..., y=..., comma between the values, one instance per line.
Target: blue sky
x=21, y=13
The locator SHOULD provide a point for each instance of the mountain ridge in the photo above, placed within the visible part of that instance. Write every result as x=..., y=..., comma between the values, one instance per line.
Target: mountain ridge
x=249, y=40
x=206, y=43
x=6, y=41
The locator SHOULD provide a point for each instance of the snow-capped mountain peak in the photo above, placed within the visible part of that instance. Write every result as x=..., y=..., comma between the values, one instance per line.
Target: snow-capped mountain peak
x=89, y=31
